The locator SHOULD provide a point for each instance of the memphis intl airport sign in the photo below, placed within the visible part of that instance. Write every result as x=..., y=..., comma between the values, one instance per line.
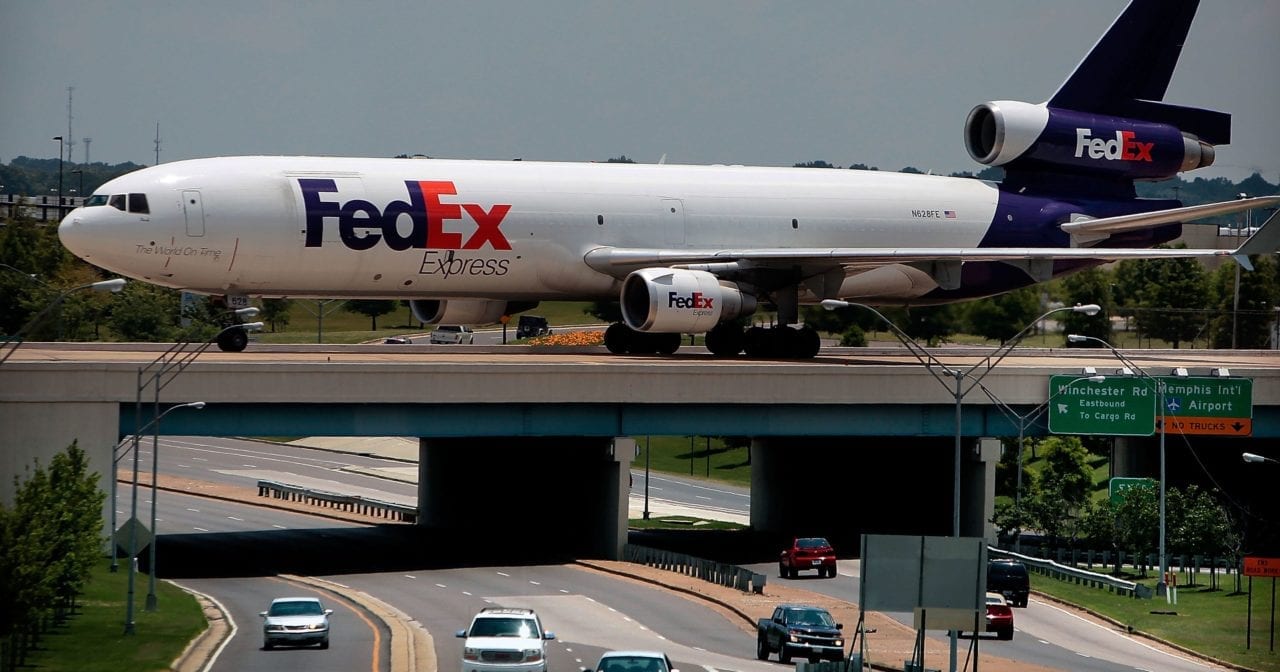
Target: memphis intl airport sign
x=1129, y=406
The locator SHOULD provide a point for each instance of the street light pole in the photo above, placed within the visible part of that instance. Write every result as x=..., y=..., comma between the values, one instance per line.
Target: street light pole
x=1257, y=459
x=10, y=345
x=60, y=146
x=929, y=361
x=1161, y=586
x=133, y=515
x=155, y=456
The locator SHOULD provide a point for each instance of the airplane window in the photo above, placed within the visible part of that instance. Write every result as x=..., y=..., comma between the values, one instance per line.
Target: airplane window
x=96, y=199
x=117, y=202
x=138, y=203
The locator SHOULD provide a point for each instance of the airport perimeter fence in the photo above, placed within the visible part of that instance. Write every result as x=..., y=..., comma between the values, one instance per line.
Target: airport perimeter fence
x=1077, y=566
x=731, y=576
x=351, y=503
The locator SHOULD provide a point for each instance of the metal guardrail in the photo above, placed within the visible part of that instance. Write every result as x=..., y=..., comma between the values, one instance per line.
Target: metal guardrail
x=352, y=503
x=731, y=576
x=1074, y=575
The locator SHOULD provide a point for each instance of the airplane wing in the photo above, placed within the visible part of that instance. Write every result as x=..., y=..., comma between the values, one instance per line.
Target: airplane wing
x=944, y=263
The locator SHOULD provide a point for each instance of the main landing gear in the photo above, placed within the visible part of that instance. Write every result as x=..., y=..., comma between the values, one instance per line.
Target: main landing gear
x=725, y=340
x=233, y=340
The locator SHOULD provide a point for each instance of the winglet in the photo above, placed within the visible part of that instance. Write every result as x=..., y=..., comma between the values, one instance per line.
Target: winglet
x=1265, y=241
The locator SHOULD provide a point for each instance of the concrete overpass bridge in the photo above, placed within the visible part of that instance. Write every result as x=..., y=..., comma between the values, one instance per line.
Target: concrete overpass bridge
x=856, y=440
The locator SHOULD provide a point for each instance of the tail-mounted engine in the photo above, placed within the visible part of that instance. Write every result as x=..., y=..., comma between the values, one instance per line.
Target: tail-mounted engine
x=1040, y=137
x=666, y=300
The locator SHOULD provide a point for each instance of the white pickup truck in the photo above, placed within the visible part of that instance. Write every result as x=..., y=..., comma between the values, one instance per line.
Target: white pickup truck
x=452, y=333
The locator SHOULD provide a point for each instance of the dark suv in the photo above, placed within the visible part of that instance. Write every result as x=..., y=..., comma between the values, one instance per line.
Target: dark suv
x=1009, y=578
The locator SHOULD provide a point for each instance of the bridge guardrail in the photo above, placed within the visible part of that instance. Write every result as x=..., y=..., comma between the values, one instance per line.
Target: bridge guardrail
x=1075, y=575
x=354, y=503
x=731, y=576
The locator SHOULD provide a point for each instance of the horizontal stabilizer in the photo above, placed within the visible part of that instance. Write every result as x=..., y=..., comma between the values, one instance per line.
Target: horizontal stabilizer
x=1147, y=220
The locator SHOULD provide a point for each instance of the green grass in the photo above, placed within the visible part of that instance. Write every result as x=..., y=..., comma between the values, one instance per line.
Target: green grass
x=681, y=523
x=673, y=455
x=93, y=639
x=1211, y=622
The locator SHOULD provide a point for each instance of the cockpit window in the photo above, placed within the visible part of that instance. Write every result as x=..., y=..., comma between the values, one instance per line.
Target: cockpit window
x=117, y=202
x=138, y=203
x=96, y=199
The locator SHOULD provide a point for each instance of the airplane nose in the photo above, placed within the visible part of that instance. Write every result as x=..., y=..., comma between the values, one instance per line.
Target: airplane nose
x=71, y=231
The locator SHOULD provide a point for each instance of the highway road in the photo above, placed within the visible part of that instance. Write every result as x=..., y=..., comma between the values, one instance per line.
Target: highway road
x=443, y=598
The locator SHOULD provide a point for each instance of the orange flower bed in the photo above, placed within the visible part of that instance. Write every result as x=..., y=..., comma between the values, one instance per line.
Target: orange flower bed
x=570, y=338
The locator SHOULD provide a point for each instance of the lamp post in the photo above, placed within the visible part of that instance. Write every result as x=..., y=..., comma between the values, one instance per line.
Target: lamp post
x=133, y=515
x=976, y=373
x=80, y=172
x=155, y=455
x=10, y=345
x=1161, y=586
x=60, y=146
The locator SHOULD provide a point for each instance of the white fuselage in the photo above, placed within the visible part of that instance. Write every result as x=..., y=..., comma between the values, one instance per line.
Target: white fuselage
x=517, y=230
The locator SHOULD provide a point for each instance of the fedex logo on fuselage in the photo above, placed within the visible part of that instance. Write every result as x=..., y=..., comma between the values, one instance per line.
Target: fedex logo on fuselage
x=362, y=225
x=697, y=301
x=1122, y=148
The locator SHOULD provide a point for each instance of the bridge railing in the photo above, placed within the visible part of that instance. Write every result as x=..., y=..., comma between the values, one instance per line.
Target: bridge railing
x=1075, y=575
x=731, y=576
x=364, y=506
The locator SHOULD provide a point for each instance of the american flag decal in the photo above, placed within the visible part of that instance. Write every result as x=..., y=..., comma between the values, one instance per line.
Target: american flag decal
x=949, y=214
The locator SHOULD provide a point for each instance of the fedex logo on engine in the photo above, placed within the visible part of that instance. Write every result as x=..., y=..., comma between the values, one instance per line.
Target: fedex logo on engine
x=1121, y=148
x=362, y=225
x=697, y=301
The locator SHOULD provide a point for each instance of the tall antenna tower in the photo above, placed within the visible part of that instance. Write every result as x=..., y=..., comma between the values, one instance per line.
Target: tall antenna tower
x=157, y=143
x=87, y=140
x=71, y=139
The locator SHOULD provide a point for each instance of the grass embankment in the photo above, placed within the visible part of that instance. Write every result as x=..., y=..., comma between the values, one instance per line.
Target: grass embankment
x=1211, y=622
x=683, y=456
x=93, y=639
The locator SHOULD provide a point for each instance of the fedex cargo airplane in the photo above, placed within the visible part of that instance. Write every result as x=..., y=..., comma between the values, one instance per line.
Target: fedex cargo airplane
x=689, y=249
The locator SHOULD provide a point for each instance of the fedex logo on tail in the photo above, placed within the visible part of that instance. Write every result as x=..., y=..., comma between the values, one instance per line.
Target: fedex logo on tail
x=1121, y=148
x=362, y=225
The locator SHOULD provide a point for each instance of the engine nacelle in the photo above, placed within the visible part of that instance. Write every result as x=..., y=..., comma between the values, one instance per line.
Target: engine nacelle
x=463, y=311
x=666, y=300
x=1010, y=132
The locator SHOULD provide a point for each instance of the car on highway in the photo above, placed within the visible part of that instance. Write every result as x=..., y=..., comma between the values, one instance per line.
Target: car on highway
x=633, y=661
x=295, y=620
x=999, y=616
x=807, y=553
x=799, y=630
x=1009, y=578
x=452, y=333
x=398, y=340
x=504, y=639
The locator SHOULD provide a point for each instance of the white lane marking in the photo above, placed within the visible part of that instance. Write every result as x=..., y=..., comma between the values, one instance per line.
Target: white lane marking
x=199, y=459
x=468, y=594
x=236, y=519
x=534, y=582
x=1117, y=633
x=564, y=591
x=411, y=577
x=441, y=585
x=249, y=466
x=702, y=497
x=199, y=529
x=231, y=622
x=503, y=574
x=279, y=527
x=193, y=510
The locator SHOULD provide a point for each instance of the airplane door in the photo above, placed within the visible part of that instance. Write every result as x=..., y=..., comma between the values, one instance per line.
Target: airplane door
x=193, y=209
x=673, y=221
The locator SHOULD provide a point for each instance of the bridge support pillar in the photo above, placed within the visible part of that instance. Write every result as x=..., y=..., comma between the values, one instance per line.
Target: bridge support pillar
x=978, y=490
x=542, y=493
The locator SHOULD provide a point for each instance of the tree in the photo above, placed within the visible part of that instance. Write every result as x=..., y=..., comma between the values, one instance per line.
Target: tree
x=275, y=312
x=1002, y=317
x=372, y=308
x=145, y=312
x=1174, y=301
x=1083, y=288
x=1063, y=485
x=1137, y=519
x=1259, y=294
x=77, y=501
x=814, y=164
x=605, y=311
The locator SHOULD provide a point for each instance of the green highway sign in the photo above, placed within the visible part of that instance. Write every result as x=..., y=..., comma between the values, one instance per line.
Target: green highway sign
x=1110, y=407
x=1215, y=406
x=1119, y=484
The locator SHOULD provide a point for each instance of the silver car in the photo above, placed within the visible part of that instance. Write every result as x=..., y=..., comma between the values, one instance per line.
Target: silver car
x=295, y=620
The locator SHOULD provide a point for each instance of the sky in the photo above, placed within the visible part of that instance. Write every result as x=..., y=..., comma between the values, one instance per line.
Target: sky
x=884, y=83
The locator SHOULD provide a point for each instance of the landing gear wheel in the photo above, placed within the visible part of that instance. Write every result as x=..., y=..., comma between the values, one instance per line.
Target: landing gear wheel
x=725, y=340
x=757, y=342
x=666, y=344
x=617, y=338
x=807, y=343
x=233, y=340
